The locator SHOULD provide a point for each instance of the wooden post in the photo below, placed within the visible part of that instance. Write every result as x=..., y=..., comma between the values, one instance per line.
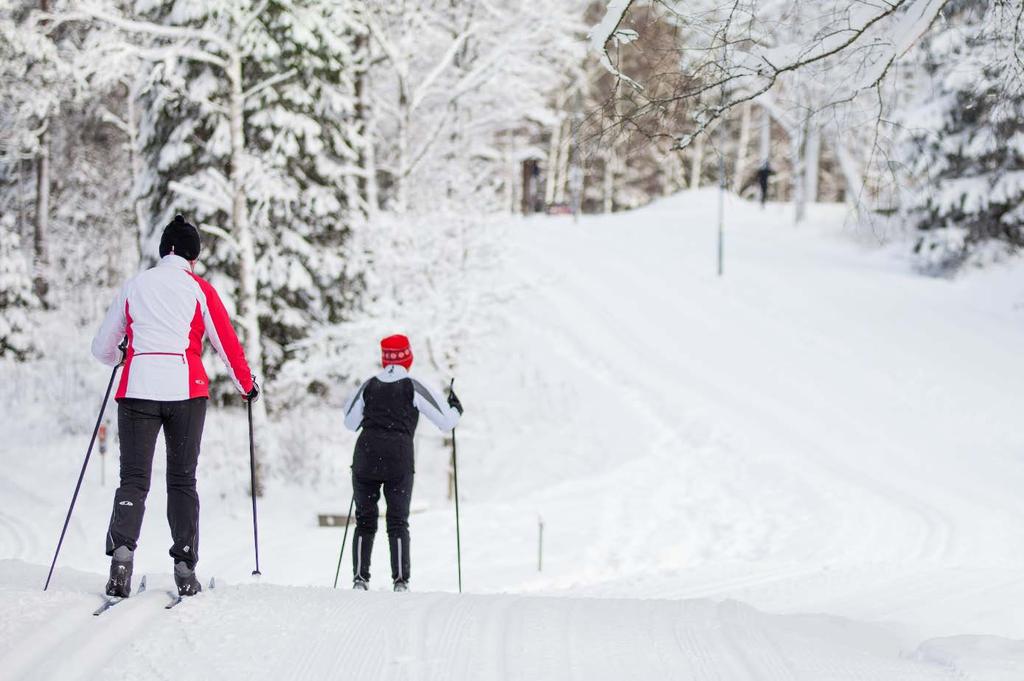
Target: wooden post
x=102, y=437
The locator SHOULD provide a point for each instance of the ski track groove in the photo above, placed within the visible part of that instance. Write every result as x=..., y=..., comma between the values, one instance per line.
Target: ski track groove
x=313, y=634
x=27, y=652
x=666, y=656
x=763, y=660
x=16, y=540
x=404, y=632
x=496, y=631
x=87, y=648
x=334, y=639
x=450, y=635
x=705, y=666
x=935, y=540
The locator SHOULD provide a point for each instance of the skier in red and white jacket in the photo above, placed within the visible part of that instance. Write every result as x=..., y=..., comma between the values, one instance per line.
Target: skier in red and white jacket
x=155, y=327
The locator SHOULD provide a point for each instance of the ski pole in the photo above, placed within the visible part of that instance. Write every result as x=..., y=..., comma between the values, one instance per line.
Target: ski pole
x=78, y=486
x=455, y=480
x=252, y=490
x=344, y=537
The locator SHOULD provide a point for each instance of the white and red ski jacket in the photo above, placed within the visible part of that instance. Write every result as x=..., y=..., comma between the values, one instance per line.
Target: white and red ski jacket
x=165, y=312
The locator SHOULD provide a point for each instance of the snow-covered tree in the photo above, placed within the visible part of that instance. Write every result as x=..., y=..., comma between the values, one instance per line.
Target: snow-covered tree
x=246, y=124
x=966, y=136
x=33, y=83
x=454, y=94
x=16, y=296
x=454, y=80
x=813, y=68
x=430, y=276
x=61, y=172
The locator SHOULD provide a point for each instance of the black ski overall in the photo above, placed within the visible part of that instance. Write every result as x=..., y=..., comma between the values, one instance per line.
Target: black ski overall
x=139, y=423
x=384, y=458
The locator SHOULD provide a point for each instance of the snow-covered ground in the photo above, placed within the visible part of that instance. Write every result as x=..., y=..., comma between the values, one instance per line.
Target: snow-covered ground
x=809, y=468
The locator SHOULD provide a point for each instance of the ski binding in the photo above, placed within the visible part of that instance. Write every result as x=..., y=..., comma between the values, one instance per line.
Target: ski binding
x=110, y=601
x=176, y=599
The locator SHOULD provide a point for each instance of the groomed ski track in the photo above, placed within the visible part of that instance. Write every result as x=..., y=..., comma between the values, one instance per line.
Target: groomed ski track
x=807, y=469
x=257, y=632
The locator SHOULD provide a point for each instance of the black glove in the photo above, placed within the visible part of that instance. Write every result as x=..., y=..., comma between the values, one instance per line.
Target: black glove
x=253, y=394
x=123, y=347
x=453, y=402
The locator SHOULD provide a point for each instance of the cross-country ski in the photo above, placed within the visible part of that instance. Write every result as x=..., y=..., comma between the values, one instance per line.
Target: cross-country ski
x=475, y=341
x=111, y=601
x=176, y=598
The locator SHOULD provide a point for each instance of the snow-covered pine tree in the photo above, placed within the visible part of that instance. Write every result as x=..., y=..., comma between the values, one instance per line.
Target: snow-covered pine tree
x=304, y=133
x=16, y=296
x=33, y=84
x=967, y=138
x=257, y=145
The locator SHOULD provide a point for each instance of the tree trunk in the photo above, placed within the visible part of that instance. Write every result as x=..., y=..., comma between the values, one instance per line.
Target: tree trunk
x=674, y=179
x=796, y=144
x=21, y=194
x=563, y=163
x=766, y=136
x=404, y=124
x=141, y=221
x=740, y=171
x=361, y=46
x=697, y=161
x=42, y=226
x=852, y=180
x=812, y=161
x=512, y=198
x=370, y=165
x=608, y=184
x=551, y=177
x=248, y=310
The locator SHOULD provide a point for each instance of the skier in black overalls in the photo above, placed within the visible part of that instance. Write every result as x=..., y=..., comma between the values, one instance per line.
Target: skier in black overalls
x=387, y=408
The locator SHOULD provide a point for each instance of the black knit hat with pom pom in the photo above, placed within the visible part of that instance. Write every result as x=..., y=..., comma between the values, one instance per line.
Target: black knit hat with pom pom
x=182, y=237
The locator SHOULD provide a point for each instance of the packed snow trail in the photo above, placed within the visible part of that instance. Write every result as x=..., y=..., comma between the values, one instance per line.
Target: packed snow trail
x=274, y=633
x=821, y=430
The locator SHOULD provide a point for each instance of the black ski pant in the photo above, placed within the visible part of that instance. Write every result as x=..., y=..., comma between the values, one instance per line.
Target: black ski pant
x=398, y=495
x=139, y=422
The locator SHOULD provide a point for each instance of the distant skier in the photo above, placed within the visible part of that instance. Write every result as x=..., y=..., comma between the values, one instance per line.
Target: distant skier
x=763, y=174
x=164, y=313
x=387, y=408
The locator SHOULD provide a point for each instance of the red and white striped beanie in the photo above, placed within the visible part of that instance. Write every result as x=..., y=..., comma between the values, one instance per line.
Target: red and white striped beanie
x=395, y=350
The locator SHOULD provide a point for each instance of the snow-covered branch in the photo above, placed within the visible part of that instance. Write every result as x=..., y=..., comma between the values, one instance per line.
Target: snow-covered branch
x=608, y=30
x=220, y=233
x=276, y=79
x=146, y=27
x=915, y=21
x=861, y=40
x=446, y=59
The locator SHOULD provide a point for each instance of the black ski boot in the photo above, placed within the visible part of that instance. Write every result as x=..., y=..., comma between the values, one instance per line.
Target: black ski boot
x=120, y=583
x=401, y=585
x=359, y=584
x=185, y=579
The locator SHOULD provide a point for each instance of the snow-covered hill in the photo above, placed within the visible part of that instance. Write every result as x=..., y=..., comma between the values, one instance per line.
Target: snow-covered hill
x=824, y=437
